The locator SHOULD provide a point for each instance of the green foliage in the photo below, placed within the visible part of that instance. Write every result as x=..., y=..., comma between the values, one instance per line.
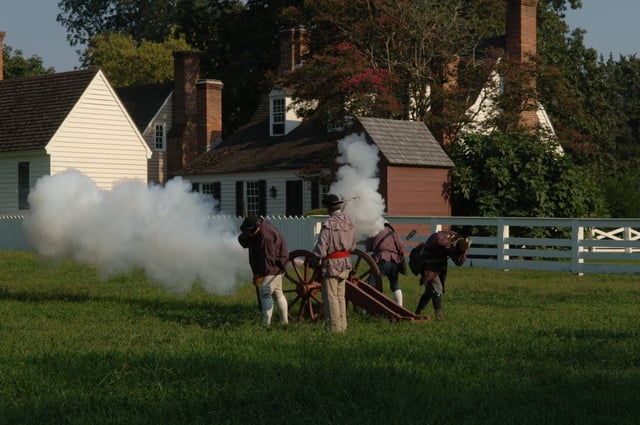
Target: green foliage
x=126, y=62
x=572, y=87
x=594, y=106
x=515, y=347
x=519, y=175
x=622, y=192
x=239, y=40
x=385, y=59
x=16, y=65
x=140, y=19
x=623, y=93
x=358, y=80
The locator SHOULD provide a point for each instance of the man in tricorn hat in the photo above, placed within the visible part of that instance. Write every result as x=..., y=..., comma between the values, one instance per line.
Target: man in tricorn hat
x=268, y=256
x=333, y=254
x=438, y=248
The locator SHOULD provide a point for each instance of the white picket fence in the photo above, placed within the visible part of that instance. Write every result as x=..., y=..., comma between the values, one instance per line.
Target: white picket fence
x=589, y=245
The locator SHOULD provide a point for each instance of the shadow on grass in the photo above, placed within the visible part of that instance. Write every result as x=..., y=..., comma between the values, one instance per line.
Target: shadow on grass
x=183, y=310
x=326, y=381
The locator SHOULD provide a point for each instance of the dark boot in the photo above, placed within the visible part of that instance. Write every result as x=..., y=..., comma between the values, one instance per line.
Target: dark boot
x=437, y=306
x=424, y=300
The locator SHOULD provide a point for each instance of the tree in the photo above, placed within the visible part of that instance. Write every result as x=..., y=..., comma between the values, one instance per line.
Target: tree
x=140, y=19
x=239, y=39
x=389, y=58
x=520, y=174
x=126, y=62
x=622, y=80
x=571, y=85
x=241, y=48
x=16, y=65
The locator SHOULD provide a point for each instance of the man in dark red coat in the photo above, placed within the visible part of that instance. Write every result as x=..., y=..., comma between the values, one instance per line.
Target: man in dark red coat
x=438, y=249
x=268, y=256
x=388, y=251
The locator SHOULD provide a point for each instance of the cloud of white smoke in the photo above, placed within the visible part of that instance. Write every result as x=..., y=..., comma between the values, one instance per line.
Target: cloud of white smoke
x=358, y=181
x=168, y=231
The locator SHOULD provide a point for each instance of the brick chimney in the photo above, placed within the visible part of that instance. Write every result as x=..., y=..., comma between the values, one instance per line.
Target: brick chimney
x=293, y=46
x=2, y=34
x=521, y=39
x=182, y=144
x=209, y=113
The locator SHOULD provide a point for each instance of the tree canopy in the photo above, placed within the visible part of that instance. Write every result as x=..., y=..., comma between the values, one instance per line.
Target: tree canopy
x=16, y=65
x=523, y=175
x=127, y=63
x=389, y=58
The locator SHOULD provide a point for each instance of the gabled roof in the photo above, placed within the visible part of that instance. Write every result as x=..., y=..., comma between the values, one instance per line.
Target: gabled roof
x=143, y=102
x=33, y=108
x=406, y=142
x=251, y=149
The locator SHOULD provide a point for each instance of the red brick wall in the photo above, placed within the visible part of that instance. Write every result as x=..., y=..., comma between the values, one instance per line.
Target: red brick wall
x=209, y=113
x=293, y=45
x=521, y=39
x=521, y=29
x=186, y=72
x=182, y=141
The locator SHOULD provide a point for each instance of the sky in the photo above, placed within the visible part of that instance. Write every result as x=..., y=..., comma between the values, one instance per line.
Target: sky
x=30, y=25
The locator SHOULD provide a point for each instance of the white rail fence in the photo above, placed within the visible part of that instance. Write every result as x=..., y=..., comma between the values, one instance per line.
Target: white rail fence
x=572, y=245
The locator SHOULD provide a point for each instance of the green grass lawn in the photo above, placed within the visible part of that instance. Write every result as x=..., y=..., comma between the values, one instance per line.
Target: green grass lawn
x=514, y=348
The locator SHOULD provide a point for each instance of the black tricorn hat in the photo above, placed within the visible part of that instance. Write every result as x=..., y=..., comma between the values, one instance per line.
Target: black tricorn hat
x=250, y=223
x=332, y=200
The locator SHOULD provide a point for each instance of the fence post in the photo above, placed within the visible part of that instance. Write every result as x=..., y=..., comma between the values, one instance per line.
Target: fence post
x=577, y=236
x=503, y=234
x=627, y=238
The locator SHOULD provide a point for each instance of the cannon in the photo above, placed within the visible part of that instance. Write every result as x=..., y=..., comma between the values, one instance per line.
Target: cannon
x=302, y=286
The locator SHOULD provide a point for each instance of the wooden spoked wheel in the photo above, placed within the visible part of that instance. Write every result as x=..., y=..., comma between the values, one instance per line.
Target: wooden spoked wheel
x=306, y=301
x=302, y=283
x=365, y=269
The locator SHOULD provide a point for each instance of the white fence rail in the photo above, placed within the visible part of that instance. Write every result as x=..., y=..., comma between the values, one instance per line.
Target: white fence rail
x=576, y=245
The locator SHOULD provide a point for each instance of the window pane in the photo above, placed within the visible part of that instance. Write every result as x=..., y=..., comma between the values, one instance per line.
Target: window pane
x=253, y=198
x=160, y=136
x=278, y=116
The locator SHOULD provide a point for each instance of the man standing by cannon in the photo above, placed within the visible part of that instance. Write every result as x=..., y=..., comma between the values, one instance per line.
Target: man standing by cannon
x=268, y=256
x=388, y=252
x=332, y=254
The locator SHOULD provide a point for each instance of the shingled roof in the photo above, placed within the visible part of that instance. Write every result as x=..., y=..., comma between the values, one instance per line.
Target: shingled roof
x=251, y=149
x=405, y=142
x=143, y=102
x=32, y=109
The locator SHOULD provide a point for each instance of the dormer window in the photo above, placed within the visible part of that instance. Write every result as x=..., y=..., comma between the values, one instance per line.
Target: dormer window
x=277, y=113
x=160, y=137
x=336, y=123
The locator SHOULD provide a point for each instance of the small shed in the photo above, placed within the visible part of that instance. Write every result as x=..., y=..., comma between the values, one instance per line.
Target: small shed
x=414, y=169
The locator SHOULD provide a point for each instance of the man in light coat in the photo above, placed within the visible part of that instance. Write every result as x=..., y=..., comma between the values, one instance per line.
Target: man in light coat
x=332, y=253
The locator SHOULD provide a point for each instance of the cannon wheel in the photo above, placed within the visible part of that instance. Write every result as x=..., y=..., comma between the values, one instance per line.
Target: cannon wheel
x=363, y=267
x=307, y=299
